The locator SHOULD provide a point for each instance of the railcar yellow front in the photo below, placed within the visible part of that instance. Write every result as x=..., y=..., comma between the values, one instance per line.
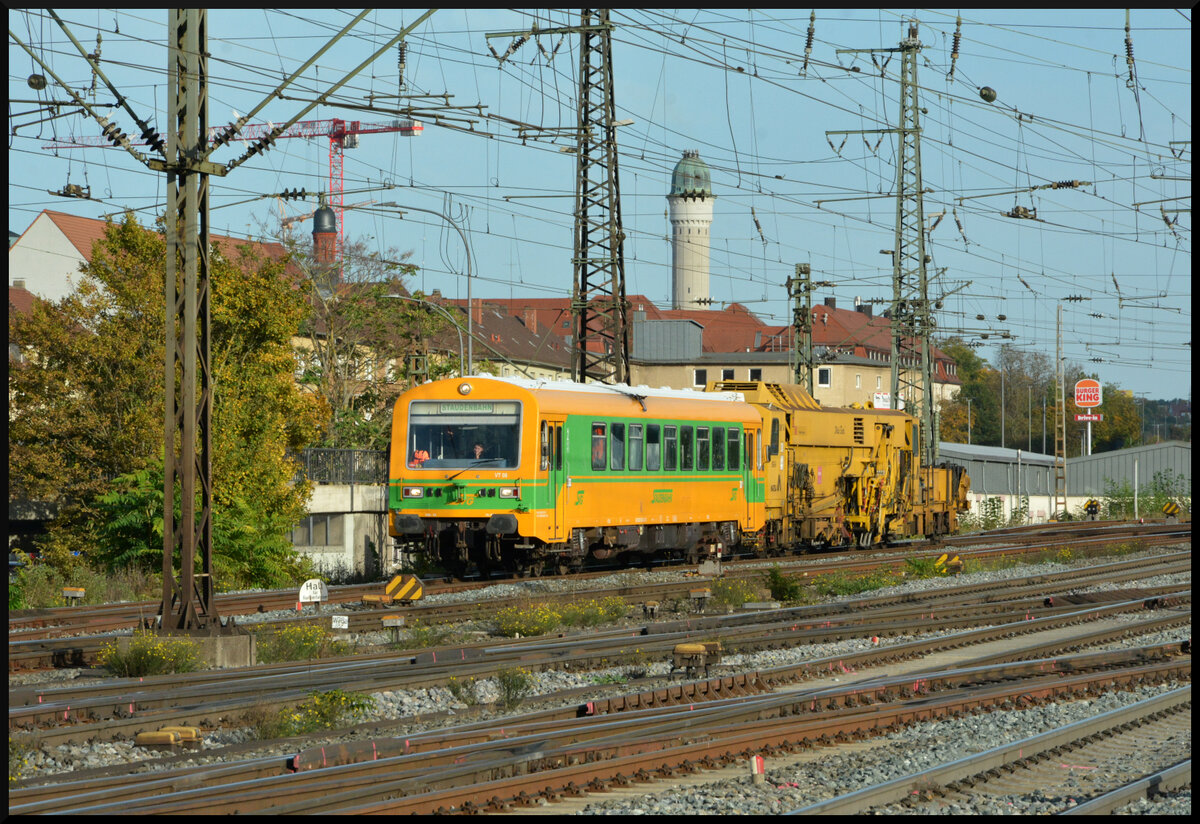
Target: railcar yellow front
x=569, y=470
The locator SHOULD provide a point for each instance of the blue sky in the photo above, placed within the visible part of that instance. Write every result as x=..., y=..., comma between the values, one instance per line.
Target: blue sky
x=732, y=85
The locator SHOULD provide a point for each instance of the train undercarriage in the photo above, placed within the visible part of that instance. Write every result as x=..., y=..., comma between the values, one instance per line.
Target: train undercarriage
x=458, y=546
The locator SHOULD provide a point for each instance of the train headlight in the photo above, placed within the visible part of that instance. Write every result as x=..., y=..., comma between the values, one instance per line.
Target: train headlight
x=414, y=492
x=464, y=389
x=510, y=492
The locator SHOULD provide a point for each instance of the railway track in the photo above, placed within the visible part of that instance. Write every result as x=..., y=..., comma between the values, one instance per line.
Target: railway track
x=108, y=711
x=1044, y=763
x=969, y=647
x=549, y=754
x=31, y=645
x=46, y=623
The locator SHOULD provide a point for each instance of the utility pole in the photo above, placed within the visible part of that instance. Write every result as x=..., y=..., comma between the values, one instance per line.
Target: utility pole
x=598, y=300
x=598, y=306
x=188, y=604
x=800, y=290
x=1060, y=429
x=910, y=315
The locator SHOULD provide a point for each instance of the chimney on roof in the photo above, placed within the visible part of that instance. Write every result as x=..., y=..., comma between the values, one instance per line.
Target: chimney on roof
x=865, y=308
x=477, y=310
x=529, y=318
x=18, y=283
x=831, y=303
x=437, y=294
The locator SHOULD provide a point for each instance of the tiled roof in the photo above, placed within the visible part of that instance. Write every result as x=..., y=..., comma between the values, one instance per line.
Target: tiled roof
x=82, y=232
x=20, y=301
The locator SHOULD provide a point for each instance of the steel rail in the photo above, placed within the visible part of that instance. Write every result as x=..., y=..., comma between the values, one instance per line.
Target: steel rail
x=897, y=789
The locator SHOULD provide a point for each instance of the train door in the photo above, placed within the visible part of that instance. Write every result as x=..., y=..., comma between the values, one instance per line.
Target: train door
x=556, y=473
x=748, y=475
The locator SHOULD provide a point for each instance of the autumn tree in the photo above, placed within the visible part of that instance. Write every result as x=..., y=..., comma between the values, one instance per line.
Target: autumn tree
x=357, y=345
x=1023, y=388
x=87, y=399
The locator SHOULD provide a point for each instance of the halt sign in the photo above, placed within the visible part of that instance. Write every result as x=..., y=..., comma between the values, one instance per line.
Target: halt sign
x=1087, y=393
x=313, y=590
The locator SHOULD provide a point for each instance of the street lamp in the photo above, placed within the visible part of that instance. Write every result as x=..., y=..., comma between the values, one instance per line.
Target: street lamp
x=470, y=309
x=457, y=328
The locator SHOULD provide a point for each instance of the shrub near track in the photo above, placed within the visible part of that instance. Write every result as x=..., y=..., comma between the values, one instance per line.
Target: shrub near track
x=299, y=643
x=150, y=655
x=540, y=618
x=322, y=711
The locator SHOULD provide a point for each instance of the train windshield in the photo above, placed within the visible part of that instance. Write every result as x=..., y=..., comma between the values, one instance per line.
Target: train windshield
x=463, y=434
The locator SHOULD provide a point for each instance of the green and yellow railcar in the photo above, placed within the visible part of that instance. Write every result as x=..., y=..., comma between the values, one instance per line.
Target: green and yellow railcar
x=531, y=475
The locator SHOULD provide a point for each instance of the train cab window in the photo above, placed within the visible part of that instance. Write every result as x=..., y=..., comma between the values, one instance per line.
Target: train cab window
x=702, y=447
x=718, y=448
x=635, y=446
x=757, y=452
x=670, y=461
x=774, y=448
x=653, y=448
x=617, y=457
x=685, y=447
x=545, y=446
x=599, y=446
x=732, y=448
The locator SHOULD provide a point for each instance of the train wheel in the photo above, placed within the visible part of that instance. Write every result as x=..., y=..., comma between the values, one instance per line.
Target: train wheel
x=537, y=569
x=562, y=568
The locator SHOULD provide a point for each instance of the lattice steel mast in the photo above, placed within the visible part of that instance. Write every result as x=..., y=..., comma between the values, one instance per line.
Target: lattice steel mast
x=911, y=314
x=598, y=302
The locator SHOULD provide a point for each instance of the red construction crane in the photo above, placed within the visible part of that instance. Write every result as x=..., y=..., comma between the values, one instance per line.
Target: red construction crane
x=342, y=134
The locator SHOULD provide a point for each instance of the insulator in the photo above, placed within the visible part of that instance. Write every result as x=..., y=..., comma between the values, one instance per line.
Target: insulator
x=152, y=138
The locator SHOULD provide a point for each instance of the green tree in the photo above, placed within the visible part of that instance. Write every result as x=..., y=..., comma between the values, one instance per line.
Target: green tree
x=86, y=402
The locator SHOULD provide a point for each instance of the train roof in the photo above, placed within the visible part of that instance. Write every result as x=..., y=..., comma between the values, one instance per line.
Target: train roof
x=597, y=398
x=538, y=385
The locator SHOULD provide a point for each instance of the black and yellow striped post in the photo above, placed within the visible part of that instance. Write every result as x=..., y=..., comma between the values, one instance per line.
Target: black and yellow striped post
x=1171, y=510
x=405, y=588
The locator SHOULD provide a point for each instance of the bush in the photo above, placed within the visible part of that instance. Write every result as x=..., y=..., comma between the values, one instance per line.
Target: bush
x=733, y=592
x=537, y=619
x=421, y=636
x=783, y=588
x=18, y=759
x=465, y=691
x=322, y=711
x=514, y=684
x=853, y=584
x=299, y=643
x=150, y=655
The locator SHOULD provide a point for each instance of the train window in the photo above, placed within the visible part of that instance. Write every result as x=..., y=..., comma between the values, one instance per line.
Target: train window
x=685, y=447
x=558, y=447
x=718, y=449
x=599, y=446
x=617, y=457
x=545, y=446
x=635, y=446
x=670, y=438
x=652, y=447
x=702, y=447
x=732, y=444
x=774, y=448
x=758, y=454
